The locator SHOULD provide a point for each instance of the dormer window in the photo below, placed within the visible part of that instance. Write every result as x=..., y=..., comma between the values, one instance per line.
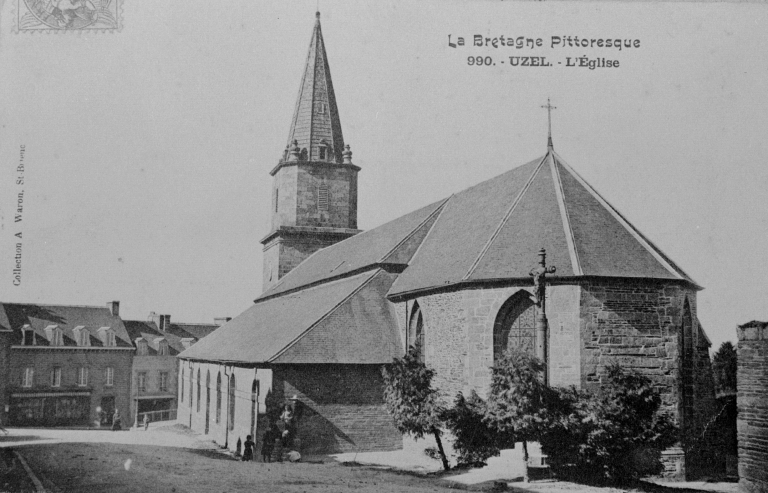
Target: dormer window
x=55, y=335
x=82, y=336
x=162, y=346
x=107, y=336
x=28, y=336
x=141, y=346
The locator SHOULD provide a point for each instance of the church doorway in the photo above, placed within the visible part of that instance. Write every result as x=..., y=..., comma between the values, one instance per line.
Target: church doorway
x=515, y=326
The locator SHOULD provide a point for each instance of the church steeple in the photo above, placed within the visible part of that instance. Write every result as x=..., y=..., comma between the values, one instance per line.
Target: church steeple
x=316, y=128
x=314, y=193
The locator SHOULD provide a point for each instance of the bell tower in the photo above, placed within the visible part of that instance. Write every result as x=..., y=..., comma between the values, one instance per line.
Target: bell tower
x=314, y=185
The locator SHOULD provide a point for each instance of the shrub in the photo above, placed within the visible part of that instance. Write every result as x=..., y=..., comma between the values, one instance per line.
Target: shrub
x=617, y=432
x=474, y=441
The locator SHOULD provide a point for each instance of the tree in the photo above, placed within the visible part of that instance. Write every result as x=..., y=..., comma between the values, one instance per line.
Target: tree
x=724, y=368
x=411, y=400
x=518, y=403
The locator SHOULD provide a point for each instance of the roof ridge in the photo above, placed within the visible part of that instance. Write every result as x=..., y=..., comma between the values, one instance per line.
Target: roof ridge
x=327, y=314
x=53, y=304
x=647, y=244
x=437, y=210
x=505, y=219
x=568, y=230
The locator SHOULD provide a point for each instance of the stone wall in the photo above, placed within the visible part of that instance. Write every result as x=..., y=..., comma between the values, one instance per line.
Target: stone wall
x=341, y=407
x=752, y=401
x=459, y=336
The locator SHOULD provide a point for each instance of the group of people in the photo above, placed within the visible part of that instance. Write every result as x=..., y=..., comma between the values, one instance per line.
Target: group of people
x=281, y=432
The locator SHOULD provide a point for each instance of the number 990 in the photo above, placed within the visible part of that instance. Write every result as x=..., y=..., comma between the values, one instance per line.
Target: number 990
x=478, y=60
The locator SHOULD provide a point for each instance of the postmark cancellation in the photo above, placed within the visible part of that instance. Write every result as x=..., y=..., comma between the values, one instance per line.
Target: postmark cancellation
x=68, y=15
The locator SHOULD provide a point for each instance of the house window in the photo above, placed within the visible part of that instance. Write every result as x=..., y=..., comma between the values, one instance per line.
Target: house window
x=141, y=347
x=162, y=348
x=109, y=376
x=142, y=384
x=29, y=377
x=163, y=381
x=55, y=335
x=28, y=336
x=322, y=197
x=56, y=376
x=107, y=337
x=322, y=153
x=218, y=398
x=82, y=376
x=85, y=338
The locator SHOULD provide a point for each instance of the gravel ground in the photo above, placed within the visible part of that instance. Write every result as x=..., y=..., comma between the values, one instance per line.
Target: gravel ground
x=172, y=458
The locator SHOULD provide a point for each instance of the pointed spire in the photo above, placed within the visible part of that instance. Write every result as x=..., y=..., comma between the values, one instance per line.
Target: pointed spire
x=316, y=127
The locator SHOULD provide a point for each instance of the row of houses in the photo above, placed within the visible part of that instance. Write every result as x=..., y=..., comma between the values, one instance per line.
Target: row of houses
x=69, y=365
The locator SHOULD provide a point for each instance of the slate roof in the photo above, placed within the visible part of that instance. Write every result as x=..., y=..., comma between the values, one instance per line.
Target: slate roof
x=316, y=116
x=67, y=317
x=174, y=334
x=493, y=230
x=343, y=321
x=335, y=306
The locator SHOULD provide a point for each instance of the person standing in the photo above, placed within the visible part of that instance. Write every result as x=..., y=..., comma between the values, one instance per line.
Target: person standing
x=146, y=422
x=248, y=449
x=116, y=421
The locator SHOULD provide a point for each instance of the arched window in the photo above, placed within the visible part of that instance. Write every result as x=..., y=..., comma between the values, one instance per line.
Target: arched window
x=218, y=398
x=515, y=326
x=416, y=336
x=198, y=390
x=231, y=402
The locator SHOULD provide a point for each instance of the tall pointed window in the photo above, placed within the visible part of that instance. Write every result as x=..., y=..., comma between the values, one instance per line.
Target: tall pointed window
x=231, y=402
x=218, y=398
x=416, y=336
x=515, y=326
x=198, y=390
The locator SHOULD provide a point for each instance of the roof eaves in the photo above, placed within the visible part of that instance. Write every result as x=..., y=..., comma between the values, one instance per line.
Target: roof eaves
x=319, y=320
x=505, y=219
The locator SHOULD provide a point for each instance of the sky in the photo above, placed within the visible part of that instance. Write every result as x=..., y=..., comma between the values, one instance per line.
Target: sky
x=147, y=151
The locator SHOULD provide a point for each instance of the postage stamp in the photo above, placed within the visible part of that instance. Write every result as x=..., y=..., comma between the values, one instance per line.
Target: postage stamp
x=68, y=15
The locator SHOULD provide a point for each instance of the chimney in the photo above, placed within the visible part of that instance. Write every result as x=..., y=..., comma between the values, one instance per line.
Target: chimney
x=187, y=342
x=166, y=322
x=154, y=317
x=114, y=308
x=221, y=320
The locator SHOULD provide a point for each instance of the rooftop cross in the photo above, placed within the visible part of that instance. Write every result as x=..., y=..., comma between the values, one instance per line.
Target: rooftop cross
x=549, y=108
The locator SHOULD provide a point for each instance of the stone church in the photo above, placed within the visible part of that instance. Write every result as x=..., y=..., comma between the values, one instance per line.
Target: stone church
x=452, y=278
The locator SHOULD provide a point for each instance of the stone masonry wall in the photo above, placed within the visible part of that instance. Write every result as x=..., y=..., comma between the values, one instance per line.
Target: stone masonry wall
x=341, y=407
x=459, y=336
x=638, y=325
x=752, y=401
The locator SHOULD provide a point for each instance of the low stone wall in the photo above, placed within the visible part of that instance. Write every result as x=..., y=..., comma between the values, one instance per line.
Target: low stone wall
x=752, y=401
